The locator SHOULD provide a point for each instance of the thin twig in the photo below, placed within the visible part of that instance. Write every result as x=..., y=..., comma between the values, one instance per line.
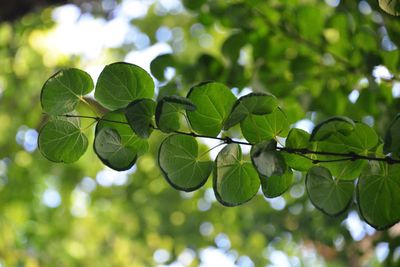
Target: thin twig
x=350, y=156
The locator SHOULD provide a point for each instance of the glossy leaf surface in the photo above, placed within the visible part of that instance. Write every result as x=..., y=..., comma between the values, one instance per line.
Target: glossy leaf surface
x=332, y=126
x=275, y=185
x=235, y=181
x=120, y=83
x=62, y=141
x=62, y=92
x=180, y=163
x=168, y=112
x=213, y=103
x=267, y=160
x=253, y=103
x=378, y=195
x=258, y=128
x=328, y=194
x=297, y=139
x=139, y=115
x=113, y=151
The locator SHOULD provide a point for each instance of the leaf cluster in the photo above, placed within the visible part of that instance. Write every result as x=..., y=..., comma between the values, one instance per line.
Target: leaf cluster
x=342, y=158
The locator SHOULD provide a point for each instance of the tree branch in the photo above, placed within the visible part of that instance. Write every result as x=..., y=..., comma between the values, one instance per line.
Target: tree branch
x=350, y=156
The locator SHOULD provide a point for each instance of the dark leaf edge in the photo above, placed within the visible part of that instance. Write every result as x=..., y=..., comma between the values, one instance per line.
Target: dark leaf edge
x=347, y=206
x=165, y=174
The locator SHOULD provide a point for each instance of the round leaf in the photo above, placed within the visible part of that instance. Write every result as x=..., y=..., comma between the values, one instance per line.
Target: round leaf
x=62, y=141
x=329, y=195
x=267, y=160
x=213, y=103
x=332, y=126
x=378, y=195
x=159, y=65
x=253, y=103
x=235, y=181
x=232, y=46
x=139, y=114
x=62, y=92
x=112, y=152
x=276, y=185
x=179, y=161
x=362, y=140
x=297, y=139
x=168, y=110
x=122, y=137
x=120, y=83
x=258, y=128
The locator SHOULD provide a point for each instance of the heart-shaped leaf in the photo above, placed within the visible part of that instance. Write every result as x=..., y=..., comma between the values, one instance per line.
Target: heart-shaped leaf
x=62, y=92
x=298, y=139
x=392, y=138
x=253, y=103
x=139, y=114
x=159, y=65
x=267, y=160
x=120, y=83
x=276, y=185
x=235, y=181
x=335, y=125
x=112, y=152
x=362, y=140
x=62, y=141
x=213, y=103
x=111, y=146
x=275, y=176
x=168, y=111
x=378, y=195
x=258, y=128
x=180, y=163
x=328, y=194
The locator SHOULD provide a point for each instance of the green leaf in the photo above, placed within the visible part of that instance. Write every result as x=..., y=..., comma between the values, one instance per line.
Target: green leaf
x=392, y=137
x=214, y=102
x=297, y=139
x=139, y=114
x=275, y=176
x=180, y=163
x=267, y=160
x=335, y=125
x=112, y=152
x=258, y=128
x=62, y=141
x=159, y=64
x=275, y=185
x=232, y=46
x=378, y=195
x=362, y=140
x=62, y=92
x=391, y=7
x=328, y=194
x=253, y=103
x=168, y=110
x=122, y=138
x=120, y=83
x=235, y=181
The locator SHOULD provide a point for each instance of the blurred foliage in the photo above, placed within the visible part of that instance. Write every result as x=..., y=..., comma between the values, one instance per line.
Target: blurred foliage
x=311, y=54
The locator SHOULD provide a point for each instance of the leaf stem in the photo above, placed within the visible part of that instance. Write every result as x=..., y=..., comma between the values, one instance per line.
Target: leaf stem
x=350, y=156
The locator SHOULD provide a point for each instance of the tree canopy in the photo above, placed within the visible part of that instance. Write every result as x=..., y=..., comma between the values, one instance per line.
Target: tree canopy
x=298, y=100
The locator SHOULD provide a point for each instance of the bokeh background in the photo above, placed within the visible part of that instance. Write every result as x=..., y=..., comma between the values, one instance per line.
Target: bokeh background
x=321, y=58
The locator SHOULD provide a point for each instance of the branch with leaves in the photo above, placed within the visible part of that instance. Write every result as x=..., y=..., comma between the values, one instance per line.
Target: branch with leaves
x=337, y=153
